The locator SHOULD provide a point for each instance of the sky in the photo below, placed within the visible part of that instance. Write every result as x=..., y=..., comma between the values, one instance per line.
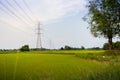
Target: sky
x=61, y=24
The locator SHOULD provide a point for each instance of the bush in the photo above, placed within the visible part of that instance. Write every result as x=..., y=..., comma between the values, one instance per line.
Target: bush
x=115, y=46
x=67, y=47
x=106, y=46
x=112, y=72
x=82, y=48
x=25, y=48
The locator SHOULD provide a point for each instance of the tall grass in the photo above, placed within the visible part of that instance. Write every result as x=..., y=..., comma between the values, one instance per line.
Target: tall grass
x=109, y=73
x=41, y=66
x=100, y=55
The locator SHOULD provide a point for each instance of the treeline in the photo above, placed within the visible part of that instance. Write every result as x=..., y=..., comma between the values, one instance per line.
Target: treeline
x=66, y=47
x=115, y=46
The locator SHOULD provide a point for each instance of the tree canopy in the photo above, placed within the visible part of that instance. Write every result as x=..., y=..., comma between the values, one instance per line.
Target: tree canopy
x=25, y=48
x=104, y=18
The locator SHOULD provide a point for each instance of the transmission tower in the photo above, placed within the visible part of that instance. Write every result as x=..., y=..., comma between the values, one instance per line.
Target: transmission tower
x=39, y=41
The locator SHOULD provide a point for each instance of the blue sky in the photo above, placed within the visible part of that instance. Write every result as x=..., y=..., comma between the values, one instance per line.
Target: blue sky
x=61, y=20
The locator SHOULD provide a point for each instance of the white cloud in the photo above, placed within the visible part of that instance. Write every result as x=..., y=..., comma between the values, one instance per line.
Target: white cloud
x=44, y=10
x=54, y=9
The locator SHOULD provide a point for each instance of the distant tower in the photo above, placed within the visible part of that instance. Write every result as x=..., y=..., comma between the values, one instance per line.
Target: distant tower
x=39, y=41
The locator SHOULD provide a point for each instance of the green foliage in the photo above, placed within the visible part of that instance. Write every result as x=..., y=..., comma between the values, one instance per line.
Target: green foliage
x=112, y=72
x=67, y=47
x=25, y=48
x=104, y=18
x=106, y=46
x=82, y=48
x=94, y=48
x=100, y=55
x=93, y=56
x=115, y=46
x=61, y=48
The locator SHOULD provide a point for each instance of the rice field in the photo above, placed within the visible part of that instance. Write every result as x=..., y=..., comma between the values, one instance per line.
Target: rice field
x=55, y=65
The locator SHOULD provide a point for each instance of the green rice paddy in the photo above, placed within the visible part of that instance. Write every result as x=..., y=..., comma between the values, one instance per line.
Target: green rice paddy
x=56, y=65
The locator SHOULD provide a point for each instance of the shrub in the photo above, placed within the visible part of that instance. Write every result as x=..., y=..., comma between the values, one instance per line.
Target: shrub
x=115, y=46
x=25, y=48
x=67, y=47
x=106, y=46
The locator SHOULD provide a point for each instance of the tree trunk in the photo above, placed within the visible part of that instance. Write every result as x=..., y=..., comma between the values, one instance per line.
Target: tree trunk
x=110, y=43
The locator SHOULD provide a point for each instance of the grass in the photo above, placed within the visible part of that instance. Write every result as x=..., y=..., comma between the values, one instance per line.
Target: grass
x=54, y=65
x=100, y=55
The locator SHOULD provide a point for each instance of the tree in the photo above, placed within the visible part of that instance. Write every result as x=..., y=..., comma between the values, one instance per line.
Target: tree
x=25, y=48
x=61, y=48
x=104, y=19
x=106, y=46
x=82, y=48
x=116, y=45
x=67, y=47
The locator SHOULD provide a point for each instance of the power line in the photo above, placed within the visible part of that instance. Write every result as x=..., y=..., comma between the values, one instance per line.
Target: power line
x=27, y=6
x=21, y=16
x=10, y=4
x=14, y=8
x=5, y=11
x=23, y=10
x=11, y=13
x=4, y=22
x=6, y=7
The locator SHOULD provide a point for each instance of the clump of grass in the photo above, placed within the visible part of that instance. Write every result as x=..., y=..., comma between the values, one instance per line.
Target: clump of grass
x=112, y=72
x=112, y=52
x=100, y=56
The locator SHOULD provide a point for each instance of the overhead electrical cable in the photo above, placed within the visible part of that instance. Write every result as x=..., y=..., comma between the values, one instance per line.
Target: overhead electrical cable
x=27, y=6
x=20, y=16
x=3, y=10
x=10, y=5
x=12, y=12
x=6, y=23
x=23, y=10
x=30, y=10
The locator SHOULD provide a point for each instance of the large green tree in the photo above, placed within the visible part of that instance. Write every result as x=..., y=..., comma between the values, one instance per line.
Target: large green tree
x=104, y=19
